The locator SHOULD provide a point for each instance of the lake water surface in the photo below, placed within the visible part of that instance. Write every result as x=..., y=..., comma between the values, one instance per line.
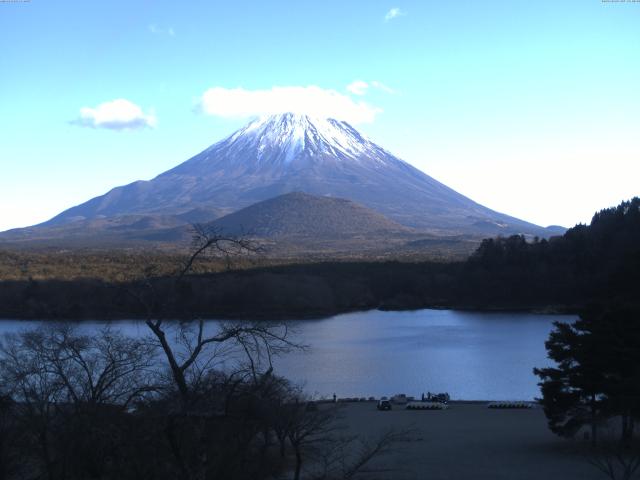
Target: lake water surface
x=471, y=355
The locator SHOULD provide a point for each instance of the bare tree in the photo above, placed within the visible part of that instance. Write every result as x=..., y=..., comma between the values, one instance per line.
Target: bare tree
x=68, y=386
x=319, y=441
x=212, y=241
x=196, y=351
x=107, y=368
x=257, y=342
x=619, y=463
x=309, y=431
x=38, y=392
x=12, y=458
x=199, y=354
x=368, y=450
x=617, y=460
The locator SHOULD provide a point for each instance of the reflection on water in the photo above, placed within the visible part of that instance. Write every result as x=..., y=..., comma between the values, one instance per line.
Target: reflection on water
x=469, y=354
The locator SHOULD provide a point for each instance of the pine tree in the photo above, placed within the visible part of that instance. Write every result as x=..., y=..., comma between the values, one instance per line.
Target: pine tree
x=597, y=374
x=572, y=393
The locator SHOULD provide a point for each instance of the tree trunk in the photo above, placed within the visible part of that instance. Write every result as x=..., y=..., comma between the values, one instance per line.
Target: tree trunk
x=298, y=463
x=2, y=466
x=176, y=371
x=594, y=421
x=44, y=445
x=266, y=442
x=627, y=428
x=170, y=432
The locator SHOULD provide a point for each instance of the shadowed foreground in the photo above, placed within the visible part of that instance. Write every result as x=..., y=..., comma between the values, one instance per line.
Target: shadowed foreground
x=470, y=441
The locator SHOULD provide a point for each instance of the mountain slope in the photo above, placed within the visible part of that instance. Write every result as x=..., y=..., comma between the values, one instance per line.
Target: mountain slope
x=300, y=214
x=286, y=153
x=113, y=232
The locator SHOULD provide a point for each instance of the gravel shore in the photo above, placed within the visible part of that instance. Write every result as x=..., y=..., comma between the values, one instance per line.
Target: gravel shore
x=471, y=441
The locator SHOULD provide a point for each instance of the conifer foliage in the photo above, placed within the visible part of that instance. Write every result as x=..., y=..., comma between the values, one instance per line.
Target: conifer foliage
x=597, y=377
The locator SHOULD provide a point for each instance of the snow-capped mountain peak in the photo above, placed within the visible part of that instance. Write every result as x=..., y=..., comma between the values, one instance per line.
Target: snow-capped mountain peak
x=289, y=138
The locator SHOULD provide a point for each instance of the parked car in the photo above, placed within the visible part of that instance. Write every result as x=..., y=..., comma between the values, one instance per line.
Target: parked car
x=400, y=399
x=384, y=405
x=437, y=397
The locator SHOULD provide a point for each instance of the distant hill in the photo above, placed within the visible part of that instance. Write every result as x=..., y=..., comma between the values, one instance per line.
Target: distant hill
x=293, y=225
x=124, y=231
x=301, y=215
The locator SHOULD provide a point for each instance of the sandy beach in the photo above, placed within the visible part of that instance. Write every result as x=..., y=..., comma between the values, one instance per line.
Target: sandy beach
x=471, y=441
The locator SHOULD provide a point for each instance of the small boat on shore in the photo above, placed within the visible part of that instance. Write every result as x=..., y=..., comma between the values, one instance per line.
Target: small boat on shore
x=510, y=405
x=427, y=406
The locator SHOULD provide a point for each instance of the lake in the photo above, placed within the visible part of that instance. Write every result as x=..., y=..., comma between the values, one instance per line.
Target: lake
x=471, y=355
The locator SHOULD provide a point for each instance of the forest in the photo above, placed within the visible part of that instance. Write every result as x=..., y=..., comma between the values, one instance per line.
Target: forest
x=595, y=263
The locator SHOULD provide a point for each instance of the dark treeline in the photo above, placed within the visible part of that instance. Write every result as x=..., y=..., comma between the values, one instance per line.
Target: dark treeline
x=284, y=291
x=595, y=263
x=598, y=263
x=593, y=388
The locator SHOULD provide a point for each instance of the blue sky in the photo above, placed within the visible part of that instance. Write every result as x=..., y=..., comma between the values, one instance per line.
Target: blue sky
x=529, y=107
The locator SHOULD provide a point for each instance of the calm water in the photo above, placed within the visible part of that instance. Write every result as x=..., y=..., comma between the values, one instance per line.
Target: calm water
x=471, y=355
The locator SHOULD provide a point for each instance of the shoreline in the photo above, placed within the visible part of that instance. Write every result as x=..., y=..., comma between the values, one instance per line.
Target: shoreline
x=348, y=400
x=293, y=316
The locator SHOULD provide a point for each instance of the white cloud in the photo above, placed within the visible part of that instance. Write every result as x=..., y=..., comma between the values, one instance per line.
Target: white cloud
x=310, y=100
x=393, y=13
x=119, y=114
x=358, y=87
x=156, y=30
x=383, y=87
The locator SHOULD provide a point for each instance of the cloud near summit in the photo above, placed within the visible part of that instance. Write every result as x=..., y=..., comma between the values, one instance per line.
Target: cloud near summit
x=310, y=100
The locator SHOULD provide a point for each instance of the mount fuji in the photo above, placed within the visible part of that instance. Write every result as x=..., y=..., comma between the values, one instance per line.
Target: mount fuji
x=280, y=154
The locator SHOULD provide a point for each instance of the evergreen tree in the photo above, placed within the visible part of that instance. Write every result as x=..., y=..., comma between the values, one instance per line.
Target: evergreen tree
x=572, y=393
x=597, y=374
x=618, y=331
